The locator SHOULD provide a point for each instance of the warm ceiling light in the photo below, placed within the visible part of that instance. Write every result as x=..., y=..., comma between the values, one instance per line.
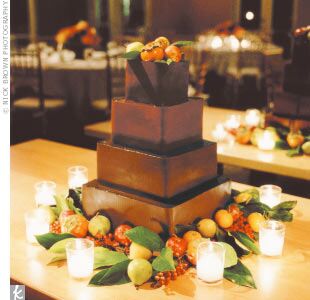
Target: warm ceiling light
x=249, y=15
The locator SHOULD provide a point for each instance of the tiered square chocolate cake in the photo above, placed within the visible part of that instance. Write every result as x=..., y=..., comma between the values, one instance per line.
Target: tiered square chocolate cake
x=156, y=170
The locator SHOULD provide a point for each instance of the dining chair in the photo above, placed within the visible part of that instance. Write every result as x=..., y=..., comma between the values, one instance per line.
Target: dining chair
x=27, y=81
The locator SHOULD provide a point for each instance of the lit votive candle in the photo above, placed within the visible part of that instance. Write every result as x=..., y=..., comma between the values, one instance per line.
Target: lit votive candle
x=271, y=237
x=266, y=141
x=37, y=223
x=270, y=194
x=233, y=122
x=80, y=258
x=210, y=262
x=219, y=133
x=77, y=176
x=252, y=117
x=45, y=192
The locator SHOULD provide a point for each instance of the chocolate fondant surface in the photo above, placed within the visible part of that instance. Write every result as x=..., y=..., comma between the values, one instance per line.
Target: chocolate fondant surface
x=159, y=175
x=156, y=129
x=121, y=206
x=156, y=83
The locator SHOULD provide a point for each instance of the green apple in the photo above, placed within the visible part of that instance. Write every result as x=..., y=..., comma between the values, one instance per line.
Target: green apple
x=139, y=271
x=99, y=225
x=306, y=148
x=135, y=46
x=138, y=251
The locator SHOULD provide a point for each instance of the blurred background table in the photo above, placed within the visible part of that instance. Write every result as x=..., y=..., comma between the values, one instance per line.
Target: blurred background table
x=245, y=156
x=41, y=159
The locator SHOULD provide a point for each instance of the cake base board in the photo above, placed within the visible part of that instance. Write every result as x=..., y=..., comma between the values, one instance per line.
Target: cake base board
x=158, y=216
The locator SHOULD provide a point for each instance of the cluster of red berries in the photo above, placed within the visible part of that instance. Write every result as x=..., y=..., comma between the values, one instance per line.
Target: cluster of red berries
x=163, y=278
x=55, y=227
x=241, y=224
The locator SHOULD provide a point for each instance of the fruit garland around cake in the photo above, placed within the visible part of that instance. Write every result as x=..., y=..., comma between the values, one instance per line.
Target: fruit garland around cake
x=160, y=50
x=135, y=254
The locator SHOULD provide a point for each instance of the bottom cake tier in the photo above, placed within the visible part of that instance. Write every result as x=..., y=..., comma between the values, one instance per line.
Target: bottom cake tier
x=142, y=210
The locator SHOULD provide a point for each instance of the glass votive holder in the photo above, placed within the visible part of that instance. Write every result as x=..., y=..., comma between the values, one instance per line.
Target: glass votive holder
x=210, y=262
x=271, y=237
x=45, y=192
x=270, y=194
x=233, y=122
x=266, y=141
x=77, y=176
x=37, y=223
x=219, y=133
x=252, y=117
x=80, y=258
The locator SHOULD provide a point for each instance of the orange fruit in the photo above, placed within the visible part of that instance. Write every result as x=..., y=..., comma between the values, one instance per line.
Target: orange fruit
x=146, y=55
x=207, y=228
x=77, y=225
x=191, y=235
x=254, y=219
x=223, y=218
x=174, y=53
x=295, y=139
x=158, y=53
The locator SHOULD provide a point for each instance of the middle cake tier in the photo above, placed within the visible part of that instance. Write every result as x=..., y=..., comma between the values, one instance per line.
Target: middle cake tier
x=161, y=175
x=158, y=129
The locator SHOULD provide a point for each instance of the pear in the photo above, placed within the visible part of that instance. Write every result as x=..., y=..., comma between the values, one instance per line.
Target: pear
x=139, y=271
x=99, y=225
x=138, y=251
x=135, y=46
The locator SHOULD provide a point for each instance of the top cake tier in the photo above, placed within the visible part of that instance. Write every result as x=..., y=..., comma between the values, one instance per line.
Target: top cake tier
x=157, y=83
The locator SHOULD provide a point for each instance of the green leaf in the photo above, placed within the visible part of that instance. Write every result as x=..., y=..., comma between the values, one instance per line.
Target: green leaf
x=104, y=257
x=57, y=257
x=169, y=61
x=255, y=207
x=222, y=236
x=294, y=152
x=47, y=240
x=180, y=229
x=240, y=274
x=164, y=262
x=182, y=43
x=60, y=246
x=246, y=241
x=145, y=237
x=231, y=258
x=287, y=205
x=281, y=144
x=71, y=206
x=131, y=55
x=254, y=193
x=281, y=215
x=114, y=275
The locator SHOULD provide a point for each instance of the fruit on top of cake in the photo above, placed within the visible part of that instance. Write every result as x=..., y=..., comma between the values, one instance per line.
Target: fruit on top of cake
x=243, y=197
x=64, y=215
x=135, y=46
x=295, y=139
x=191, y=235
x=254, y=219
x=256, y=135
x=48, y=213
x=174, y=53
x=177, y=245
x=162, y=42
x=207, y=228
x=223, y=218
x=99, y=225
x=192, y=247
x=306, y=147
x=139, y=271
x=152, y=52
x=234, y=210
x=119, y=234
x=76, y=224
x=139, y=251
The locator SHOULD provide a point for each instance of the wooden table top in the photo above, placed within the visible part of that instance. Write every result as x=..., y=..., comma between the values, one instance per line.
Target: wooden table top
x=245, y=156
x=39, y=159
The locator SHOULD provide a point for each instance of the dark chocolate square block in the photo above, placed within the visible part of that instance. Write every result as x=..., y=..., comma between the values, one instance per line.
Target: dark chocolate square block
x=156, y=83
x=159, y=129
x=122, y=206
x=159, y=175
